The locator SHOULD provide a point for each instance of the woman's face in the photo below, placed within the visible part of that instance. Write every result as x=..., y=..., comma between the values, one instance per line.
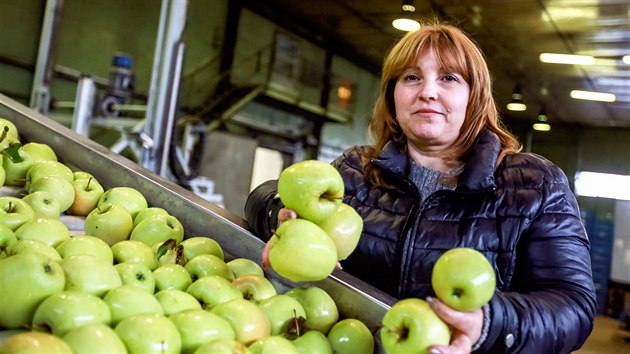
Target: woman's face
x=430, y=103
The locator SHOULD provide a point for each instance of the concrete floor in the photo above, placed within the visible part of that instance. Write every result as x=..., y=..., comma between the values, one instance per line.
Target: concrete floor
x=607, y=338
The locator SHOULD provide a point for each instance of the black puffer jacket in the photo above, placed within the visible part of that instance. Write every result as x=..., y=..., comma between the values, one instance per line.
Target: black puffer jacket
x=521, y=215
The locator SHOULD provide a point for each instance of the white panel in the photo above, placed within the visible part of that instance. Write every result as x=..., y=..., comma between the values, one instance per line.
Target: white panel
x=620, y=271
x=267, y=165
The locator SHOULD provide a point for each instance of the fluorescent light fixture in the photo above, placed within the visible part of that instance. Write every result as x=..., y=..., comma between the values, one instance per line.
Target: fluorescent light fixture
x=593, y=96
x=604, y=185
x=626, y=59
x=541, y=127
x=516, y=106
x=566, y=59
x=406, y=24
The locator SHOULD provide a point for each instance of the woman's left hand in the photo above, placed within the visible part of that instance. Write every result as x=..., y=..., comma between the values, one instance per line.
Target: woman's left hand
x=465, y=328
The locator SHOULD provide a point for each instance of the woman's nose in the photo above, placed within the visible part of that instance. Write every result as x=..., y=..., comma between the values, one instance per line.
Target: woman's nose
x=428, y=91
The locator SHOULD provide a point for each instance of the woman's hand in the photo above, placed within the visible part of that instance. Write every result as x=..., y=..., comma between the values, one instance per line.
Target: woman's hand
x=465, y=328
x=284, y=214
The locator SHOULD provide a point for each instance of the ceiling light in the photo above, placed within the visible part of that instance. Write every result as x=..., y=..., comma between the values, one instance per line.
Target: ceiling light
x=626, y=59
x=406, y=22
x=516, y=104
x=567, y=59
x=541, y=127
x=593, y=96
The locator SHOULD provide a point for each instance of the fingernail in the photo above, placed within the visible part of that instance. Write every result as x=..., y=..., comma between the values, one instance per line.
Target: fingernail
x=431, y=301
x=434, y=351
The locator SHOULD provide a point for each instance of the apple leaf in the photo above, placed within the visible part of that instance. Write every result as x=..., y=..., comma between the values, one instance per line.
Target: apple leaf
x=165, y=247
x=12, y=152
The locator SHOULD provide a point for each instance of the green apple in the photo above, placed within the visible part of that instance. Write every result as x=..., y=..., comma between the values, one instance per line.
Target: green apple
x=44, y=204
x=301, y=251
x=463, y=279
x=87, y=193
x=351, y=336
x=94, y=338
x=129, y=300
x=272, y=345
x=30, y=153
x=86, y=245
x=49, y=231
x=197, y=327
x=320, y=308
x=130, y=198
x=57, y=187
x=174, y=301
x=145, y=213
x=3, y=174
x=171, y=276
x=312, y=342
x=26, y=279
x=7, y=238
x=34, y=342
x=314, y=189
x=149, y=334
x=90, y=274
x=109, y=222
x=66, y=310
x=9, y=131
x=248, y=321
x=254, y=287
x=14, y=212
x=47, y=168
x=208, y=264
x=33, y=246
x=344, y=227
x=81, y=175
x=410, y=326
x=281, y=310
x=158, y=228
x=242, y=266
x=223, y=346
x=136, y=274
x=194, y=246
x=213, y=290
x=132, y=251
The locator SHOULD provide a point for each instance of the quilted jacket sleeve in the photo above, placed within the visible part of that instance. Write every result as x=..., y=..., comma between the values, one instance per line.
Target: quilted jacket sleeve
x=552, y=306
x=261, y=209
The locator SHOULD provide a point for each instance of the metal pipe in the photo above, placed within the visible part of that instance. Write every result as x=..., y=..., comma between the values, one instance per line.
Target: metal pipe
x=84, y=106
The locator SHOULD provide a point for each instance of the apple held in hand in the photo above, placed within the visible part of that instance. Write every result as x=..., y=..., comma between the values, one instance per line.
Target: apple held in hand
x=26, y=279
x=411, y=327
x=109, y=222
x=344, y=227
x=351, y=336
x=463, y=279
x=66, y=310
x=314, y=189
x=149, y=334
x=302, y=251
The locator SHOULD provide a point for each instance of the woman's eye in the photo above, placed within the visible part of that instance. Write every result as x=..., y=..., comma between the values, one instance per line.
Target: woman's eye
x=411, y=77
x=451, y=78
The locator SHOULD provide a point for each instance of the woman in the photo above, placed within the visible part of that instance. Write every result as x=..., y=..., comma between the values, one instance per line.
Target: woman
x=444, y=173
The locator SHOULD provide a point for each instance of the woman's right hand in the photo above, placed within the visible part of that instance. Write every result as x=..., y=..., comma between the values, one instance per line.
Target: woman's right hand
x=284, y=214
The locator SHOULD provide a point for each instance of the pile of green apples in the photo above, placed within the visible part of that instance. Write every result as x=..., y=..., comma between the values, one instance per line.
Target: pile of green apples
x=128, y=281
x=463, y=279
x=326, y=231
